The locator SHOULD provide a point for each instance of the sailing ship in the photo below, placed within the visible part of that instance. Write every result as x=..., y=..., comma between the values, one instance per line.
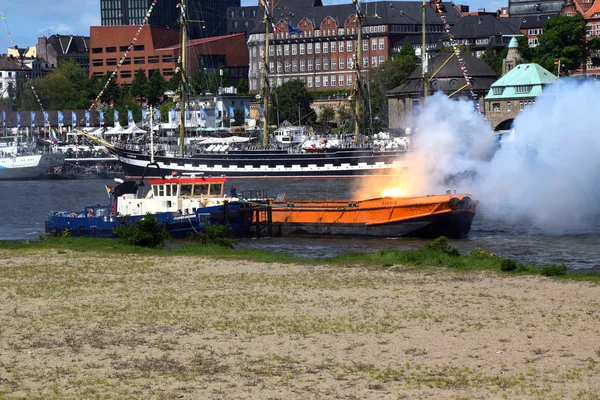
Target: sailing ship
x=271, y=160
x=19, y=161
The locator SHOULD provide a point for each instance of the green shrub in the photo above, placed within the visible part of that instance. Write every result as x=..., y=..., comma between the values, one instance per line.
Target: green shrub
x=440, y=245
x=507, y=265
x=213, y=234
x=144, y=232
x=554, y=270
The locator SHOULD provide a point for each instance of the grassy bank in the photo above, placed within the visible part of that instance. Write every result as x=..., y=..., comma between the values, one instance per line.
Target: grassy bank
x=435, y=254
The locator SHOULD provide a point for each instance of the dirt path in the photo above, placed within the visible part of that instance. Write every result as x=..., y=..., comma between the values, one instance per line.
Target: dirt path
x=81, y=326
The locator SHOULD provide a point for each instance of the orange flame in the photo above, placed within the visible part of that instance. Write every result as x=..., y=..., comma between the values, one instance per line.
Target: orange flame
x=393, y=192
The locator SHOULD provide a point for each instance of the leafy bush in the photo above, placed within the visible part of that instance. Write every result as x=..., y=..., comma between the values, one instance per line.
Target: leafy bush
x=554, y=270
x=213, y=234
x=144, y=232
x=507, y=265
x=440, y=245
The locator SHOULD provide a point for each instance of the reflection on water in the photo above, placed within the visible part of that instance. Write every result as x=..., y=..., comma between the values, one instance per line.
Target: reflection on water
x=26, y=205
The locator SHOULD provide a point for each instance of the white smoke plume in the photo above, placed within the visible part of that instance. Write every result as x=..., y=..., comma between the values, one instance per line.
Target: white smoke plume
x=544, y=174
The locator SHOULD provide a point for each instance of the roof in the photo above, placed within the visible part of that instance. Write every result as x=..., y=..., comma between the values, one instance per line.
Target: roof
x=9, y=63
x=70, y=44
x=483, y=26
x=535, y=21
x=533, y=75
x=449, y=75
x=378, y=13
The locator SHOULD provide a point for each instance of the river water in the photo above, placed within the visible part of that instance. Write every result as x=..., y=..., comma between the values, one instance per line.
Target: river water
x=26, y=205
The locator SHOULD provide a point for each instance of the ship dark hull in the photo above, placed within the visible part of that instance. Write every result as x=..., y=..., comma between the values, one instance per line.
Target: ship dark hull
x=267, y=164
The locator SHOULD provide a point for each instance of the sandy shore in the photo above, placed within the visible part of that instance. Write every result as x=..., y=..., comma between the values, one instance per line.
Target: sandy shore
x=87, y=326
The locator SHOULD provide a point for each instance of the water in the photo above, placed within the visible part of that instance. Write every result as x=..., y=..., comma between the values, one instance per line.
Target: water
x=27, y=204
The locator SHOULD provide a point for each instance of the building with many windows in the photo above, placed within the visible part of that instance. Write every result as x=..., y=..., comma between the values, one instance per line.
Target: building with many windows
x=158, y=48
x=57, y=48
x=323, y=51
x=207, y=17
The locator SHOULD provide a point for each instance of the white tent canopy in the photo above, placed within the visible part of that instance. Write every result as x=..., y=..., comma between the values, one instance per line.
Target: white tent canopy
x=168, y=125
x=116, y=130
x=132, y=128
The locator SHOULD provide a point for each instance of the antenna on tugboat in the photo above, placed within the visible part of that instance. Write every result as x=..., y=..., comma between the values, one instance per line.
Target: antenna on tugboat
x=424, y=60
x=268, y=20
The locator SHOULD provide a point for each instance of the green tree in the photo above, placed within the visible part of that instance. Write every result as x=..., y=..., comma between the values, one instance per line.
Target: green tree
x=562, y=38
x=156, y=87
x=382, y=79
x=243, y=86
x=292, y=102
x=239, y=117
x=327, y=115
x=139, y=85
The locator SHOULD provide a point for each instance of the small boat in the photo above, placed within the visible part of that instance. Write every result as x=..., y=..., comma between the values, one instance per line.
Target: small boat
x=425, y=216
x=181, y=205
x=19, y=161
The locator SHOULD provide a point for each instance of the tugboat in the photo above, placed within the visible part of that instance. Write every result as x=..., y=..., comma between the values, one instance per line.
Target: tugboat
x=181, y=205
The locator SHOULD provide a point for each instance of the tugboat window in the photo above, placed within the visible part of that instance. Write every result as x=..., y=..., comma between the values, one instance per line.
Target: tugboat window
x=200, y=189
x=161, y=190
x=186, y=190
x=216, y=189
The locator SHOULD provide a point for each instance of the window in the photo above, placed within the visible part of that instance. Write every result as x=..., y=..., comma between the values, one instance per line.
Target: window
x=302, y=67
x=294, y=66
x=341, y=46
x=333, y=47
x=294, y=49
x=139, y=60
x=279, y=50
x=381, y=59
x=497, y=90
x=325, y=81
x=153, y=60
x=286, y=49
x=350, y=63
x=326, y=65
x=309, y=48
x=317, y=81
x=271, y=51
x=373, y=44
x=317, y=65
x=111, y=61
x=333, y=81
x=317, y=48
x=309, y=81
x=271, y=67
x=349, y=46
x=97, y=50
x=342, y=63
x=508, y=106
x=374, y=61
x=98, y=63
x=302, y=50
x=341, y=80
x=381, y=44
x=349, y=80
x=496, y=107
x=325, y=47
x=334, y=63
x=310, y=65
x=365, y=45
x=123, y=48
x=111, y=49
x=365, y=61
x=279, y=67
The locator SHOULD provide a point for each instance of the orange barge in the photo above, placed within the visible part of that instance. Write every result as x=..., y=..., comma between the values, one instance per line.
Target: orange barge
x=425, y=216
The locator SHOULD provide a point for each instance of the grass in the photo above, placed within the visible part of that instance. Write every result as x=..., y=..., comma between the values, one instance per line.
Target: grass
x=433, y=255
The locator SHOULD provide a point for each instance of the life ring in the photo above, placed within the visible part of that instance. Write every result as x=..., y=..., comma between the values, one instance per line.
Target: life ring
x=73, y=215
x=90, y=213
x=454, y=203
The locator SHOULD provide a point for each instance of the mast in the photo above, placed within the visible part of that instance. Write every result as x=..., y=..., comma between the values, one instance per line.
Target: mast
x=357, y=90
x=265, y=89
x=424, y=52
x=183, y=28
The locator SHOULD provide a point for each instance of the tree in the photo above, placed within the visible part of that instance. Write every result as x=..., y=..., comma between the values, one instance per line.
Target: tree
x=327, y=115
x=239, y=117
x=562, y=38
x=139, y=85
x=243, y=86
x=292, y=102
x=494, y=60
x=392, y=73
x=156, y=87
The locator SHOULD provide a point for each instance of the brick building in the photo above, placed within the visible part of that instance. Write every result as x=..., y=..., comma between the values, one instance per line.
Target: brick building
x=322, y=56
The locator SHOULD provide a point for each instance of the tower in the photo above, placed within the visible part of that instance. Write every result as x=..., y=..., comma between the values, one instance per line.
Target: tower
x=513, y=58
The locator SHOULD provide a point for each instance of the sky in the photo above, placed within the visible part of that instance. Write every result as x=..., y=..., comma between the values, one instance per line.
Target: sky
x=28, y=20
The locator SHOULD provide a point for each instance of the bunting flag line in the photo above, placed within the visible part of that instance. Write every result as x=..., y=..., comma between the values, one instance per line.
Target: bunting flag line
x=457, y=53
